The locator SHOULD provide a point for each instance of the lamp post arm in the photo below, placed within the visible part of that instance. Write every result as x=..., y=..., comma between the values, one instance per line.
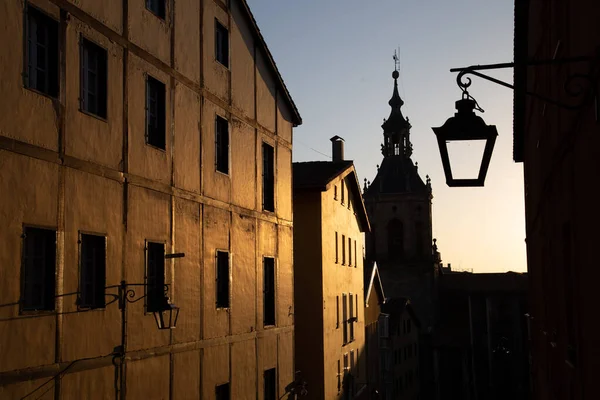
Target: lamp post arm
x=570, y=88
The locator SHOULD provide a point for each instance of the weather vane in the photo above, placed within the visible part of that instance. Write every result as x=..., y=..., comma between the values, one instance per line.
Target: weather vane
x=396, y=60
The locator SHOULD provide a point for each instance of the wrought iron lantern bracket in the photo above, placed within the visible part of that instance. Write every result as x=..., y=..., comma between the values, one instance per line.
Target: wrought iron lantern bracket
x=574, y=86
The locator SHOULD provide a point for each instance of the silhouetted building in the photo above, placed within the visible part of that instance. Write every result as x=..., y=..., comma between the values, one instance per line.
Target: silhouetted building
x=130, y=130
x=481, y=346
x=401, y=371
x=376, y=332
x=558, y=142
x=329, y=220
x=399, y=207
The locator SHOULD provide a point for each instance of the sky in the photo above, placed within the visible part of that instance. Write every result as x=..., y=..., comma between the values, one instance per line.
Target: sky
x=336, y=58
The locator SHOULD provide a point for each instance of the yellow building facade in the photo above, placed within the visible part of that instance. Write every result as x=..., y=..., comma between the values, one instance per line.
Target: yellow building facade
x=131, y=130
x=329, y=222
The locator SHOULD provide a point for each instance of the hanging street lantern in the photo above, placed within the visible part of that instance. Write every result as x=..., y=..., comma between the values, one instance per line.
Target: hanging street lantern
x=166, y=317
x=466, y=126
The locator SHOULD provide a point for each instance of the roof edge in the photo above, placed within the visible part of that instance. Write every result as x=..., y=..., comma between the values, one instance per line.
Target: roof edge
x=296, y=114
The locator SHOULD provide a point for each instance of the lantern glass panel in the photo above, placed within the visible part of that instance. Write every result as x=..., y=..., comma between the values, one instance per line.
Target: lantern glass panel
x=465, y=157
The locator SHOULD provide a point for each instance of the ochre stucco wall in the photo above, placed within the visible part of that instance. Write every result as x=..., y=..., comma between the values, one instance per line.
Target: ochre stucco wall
x=75, y=173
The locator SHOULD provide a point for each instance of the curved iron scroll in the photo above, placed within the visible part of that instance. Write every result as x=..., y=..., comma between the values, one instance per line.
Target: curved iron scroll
x=577, y=85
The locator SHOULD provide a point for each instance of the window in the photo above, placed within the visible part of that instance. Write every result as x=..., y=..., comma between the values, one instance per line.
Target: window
x=395, y=231
x=270, y=384
x=352, y=365
x=155, y=277
x=222, y=279
x=269, y=291
x=41, y=56
x=345, y=317
x=335, y=195
x=92, y=279
x=384, y=326
x=221, y=44
x=343, y=191
x=343, y=249
x=355, y=259
x=222, y=392
x=155, y=113
x=268, y=178
x=356, y=304
x=337, y=256
x=157, y=7
x=349, y=252
x=222, y=145
x=38, y=269
x=339, y=376
x=337, y=312
x=351, y=320
x=345, y=363
x=93, y=78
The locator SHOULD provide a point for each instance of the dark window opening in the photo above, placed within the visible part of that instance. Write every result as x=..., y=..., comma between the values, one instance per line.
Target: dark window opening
x=38, y=270
x=93, y=271
x=222, y=392
x=222, y=279
x=41, y=56
x=157, y=7
x=395, y=239
x=155, y=113
x=93, y=78
x=221, y=44
x=222, y=145
x=269, y=291
x=155, y=278
x=270, y=384
x=345, y=317
x=268, y=179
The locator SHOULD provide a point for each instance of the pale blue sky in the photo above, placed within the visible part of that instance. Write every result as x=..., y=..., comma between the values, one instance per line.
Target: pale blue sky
x=335, y=57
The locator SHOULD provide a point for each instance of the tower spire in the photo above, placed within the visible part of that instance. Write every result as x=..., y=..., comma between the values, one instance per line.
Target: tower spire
x=396, y=129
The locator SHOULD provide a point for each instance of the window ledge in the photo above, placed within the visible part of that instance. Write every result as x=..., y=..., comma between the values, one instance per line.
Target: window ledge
x=157, y=148
x=90, y=114
x=50, y=97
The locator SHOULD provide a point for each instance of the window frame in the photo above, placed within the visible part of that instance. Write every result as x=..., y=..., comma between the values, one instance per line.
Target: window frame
x=44, y=309
x=217, y=395
x=160, y=13
x=219, y=144
x=161, y=112
x=83, y=88
x=219, y=30
x=219, y=305
x=268, y=182
x=345, y=319
x=52, y=77
x=271, y=322
x=351, y=319
x=343, y=249
x=148, y=290
x=80, y=297
x=270, y=394
x=337, y=250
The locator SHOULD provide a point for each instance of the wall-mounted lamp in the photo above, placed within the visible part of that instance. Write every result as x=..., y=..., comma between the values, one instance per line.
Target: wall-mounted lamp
x=466, y=126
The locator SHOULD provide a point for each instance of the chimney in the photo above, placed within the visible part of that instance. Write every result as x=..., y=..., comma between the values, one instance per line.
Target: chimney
x=337, y=148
